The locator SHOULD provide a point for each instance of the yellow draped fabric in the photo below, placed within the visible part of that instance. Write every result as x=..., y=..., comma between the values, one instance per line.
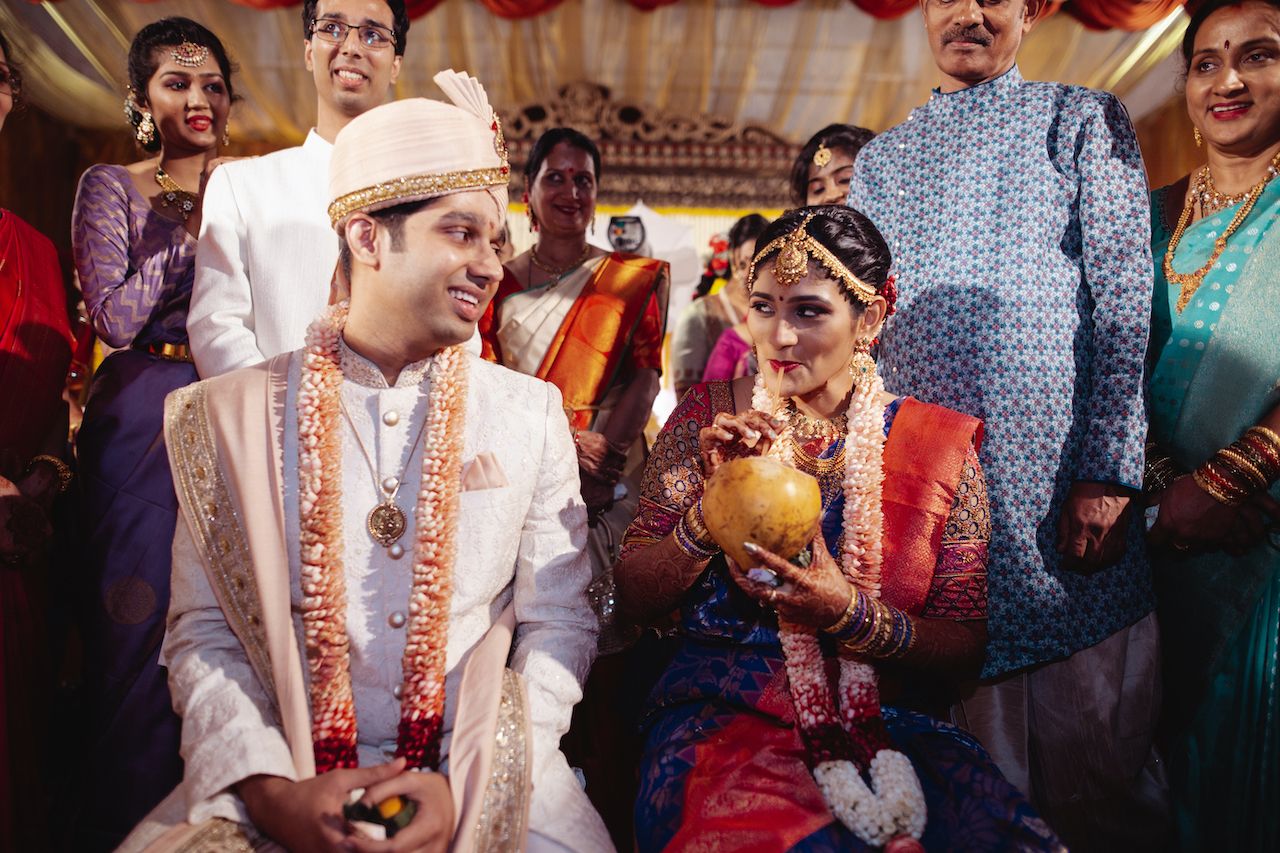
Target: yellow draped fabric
x=791, y=69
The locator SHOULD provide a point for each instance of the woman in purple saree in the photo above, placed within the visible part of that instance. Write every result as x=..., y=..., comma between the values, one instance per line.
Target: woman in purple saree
x=134, y=240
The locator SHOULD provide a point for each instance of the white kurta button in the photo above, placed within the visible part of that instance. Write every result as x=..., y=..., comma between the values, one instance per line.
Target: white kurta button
x=389, y=484
x=391, y=417
x=396, y=551
x=397, y=691
x=396, y=619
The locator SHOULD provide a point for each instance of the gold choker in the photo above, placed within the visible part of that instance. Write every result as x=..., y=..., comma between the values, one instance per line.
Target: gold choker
x=802, y=424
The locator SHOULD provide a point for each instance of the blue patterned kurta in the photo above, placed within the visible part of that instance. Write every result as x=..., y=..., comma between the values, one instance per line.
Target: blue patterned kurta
x=1017, y=216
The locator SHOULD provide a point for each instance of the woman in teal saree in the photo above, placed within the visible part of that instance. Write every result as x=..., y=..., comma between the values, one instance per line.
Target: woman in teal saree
x=1215, y=384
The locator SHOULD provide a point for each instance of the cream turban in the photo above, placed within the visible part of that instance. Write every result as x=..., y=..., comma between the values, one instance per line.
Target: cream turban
x=418, y=148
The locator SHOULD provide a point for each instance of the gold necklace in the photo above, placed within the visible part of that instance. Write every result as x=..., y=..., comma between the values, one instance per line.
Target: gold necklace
x=1190, y=282
x=174, y=195
x=555, y=271
x=829, y=472
x=1211, y=200
x=818, y=466
x=802, y=424
x=386, y=522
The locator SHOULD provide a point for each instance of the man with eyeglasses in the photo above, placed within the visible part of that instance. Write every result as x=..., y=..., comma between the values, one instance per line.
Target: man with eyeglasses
x=265, y=244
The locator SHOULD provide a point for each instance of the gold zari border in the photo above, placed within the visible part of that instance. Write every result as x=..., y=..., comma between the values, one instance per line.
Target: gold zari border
x=220, y=835
x=504, y=817
x=417, y=186
x=216, y=525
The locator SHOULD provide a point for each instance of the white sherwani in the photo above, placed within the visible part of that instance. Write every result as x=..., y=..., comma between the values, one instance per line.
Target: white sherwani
x=266, y=255
x=521, y=531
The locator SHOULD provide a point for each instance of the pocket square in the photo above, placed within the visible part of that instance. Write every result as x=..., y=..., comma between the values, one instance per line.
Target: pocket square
x=483, y=472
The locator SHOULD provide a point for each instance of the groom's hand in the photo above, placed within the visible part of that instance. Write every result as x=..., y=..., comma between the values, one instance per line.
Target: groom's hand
x=307, y=815
x=431, y=828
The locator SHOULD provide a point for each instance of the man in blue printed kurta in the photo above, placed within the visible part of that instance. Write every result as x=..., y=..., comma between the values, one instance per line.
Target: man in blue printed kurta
x=1017, y=217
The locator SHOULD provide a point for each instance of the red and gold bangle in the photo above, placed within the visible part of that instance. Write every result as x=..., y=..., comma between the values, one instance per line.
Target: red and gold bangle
x=1262, y=451
x=1266, y=444
x=1220, y=487
x=1246, y=467
x=1257, y=458
x=1242, y=466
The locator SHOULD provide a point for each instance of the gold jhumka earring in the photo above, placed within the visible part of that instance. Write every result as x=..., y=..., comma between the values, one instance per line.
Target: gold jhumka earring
x=862, y=366
x=1195, y=133
x=146, y=130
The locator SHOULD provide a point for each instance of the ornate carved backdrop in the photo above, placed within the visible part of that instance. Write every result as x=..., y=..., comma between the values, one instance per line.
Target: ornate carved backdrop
x=666, y=160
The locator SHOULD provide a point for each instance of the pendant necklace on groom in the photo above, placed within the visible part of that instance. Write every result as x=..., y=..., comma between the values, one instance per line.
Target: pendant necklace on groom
x=386, y=522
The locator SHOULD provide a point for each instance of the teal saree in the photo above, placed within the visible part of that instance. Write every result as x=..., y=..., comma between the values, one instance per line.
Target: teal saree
x=1215, y=372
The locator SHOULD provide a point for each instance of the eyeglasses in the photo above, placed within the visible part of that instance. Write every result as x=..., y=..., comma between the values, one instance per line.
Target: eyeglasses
x=10, y=81
x=334, y=31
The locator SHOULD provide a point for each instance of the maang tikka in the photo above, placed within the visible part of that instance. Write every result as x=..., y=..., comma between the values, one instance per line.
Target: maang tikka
x=190, y=55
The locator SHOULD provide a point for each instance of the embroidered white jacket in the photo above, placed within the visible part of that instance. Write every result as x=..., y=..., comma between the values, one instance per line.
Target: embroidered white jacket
x=520, y=544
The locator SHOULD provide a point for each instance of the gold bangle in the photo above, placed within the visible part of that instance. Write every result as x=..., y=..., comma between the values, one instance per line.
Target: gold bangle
x=1269, y=435
x=872, y=639
x=698, y=525
x=1214, y=491
x=60, y=467
x=1234, y=458
x=847, y=616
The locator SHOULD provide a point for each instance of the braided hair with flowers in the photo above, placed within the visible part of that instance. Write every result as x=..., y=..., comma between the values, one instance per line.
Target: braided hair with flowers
x=869, y=786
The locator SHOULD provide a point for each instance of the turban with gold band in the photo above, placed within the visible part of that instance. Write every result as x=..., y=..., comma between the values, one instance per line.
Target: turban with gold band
x=418, y=148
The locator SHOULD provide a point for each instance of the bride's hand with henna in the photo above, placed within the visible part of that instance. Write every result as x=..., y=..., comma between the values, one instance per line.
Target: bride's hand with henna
x=751, y=433
x=815, y=595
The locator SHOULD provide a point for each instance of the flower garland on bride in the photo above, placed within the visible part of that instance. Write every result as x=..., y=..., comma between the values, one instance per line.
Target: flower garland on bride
x=849, y=740
x=324, y=600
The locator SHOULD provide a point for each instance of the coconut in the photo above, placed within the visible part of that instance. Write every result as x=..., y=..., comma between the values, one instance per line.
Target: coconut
x=760, y=500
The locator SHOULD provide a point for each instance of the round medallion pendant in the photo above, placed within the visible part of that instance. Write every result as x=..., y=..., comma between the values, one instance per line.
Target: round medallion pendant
x=386, y=523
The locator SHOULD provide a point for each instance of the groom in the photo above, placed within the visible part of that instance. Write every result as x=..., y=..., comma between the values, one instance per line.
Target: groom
x=378, y=591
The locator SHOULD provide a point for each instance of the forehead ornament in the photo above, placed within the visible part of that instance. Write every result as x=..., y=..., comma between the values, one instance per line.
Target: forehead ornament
x=794, y=250
x=792, y=262
x=190, y=54
x=499, y=141
x=822, y=156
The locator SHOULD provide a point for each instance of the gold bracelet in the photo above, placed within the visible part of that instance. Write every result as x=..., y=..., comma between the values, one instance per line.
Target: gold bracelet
x=847, y=616
x=60, y=467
